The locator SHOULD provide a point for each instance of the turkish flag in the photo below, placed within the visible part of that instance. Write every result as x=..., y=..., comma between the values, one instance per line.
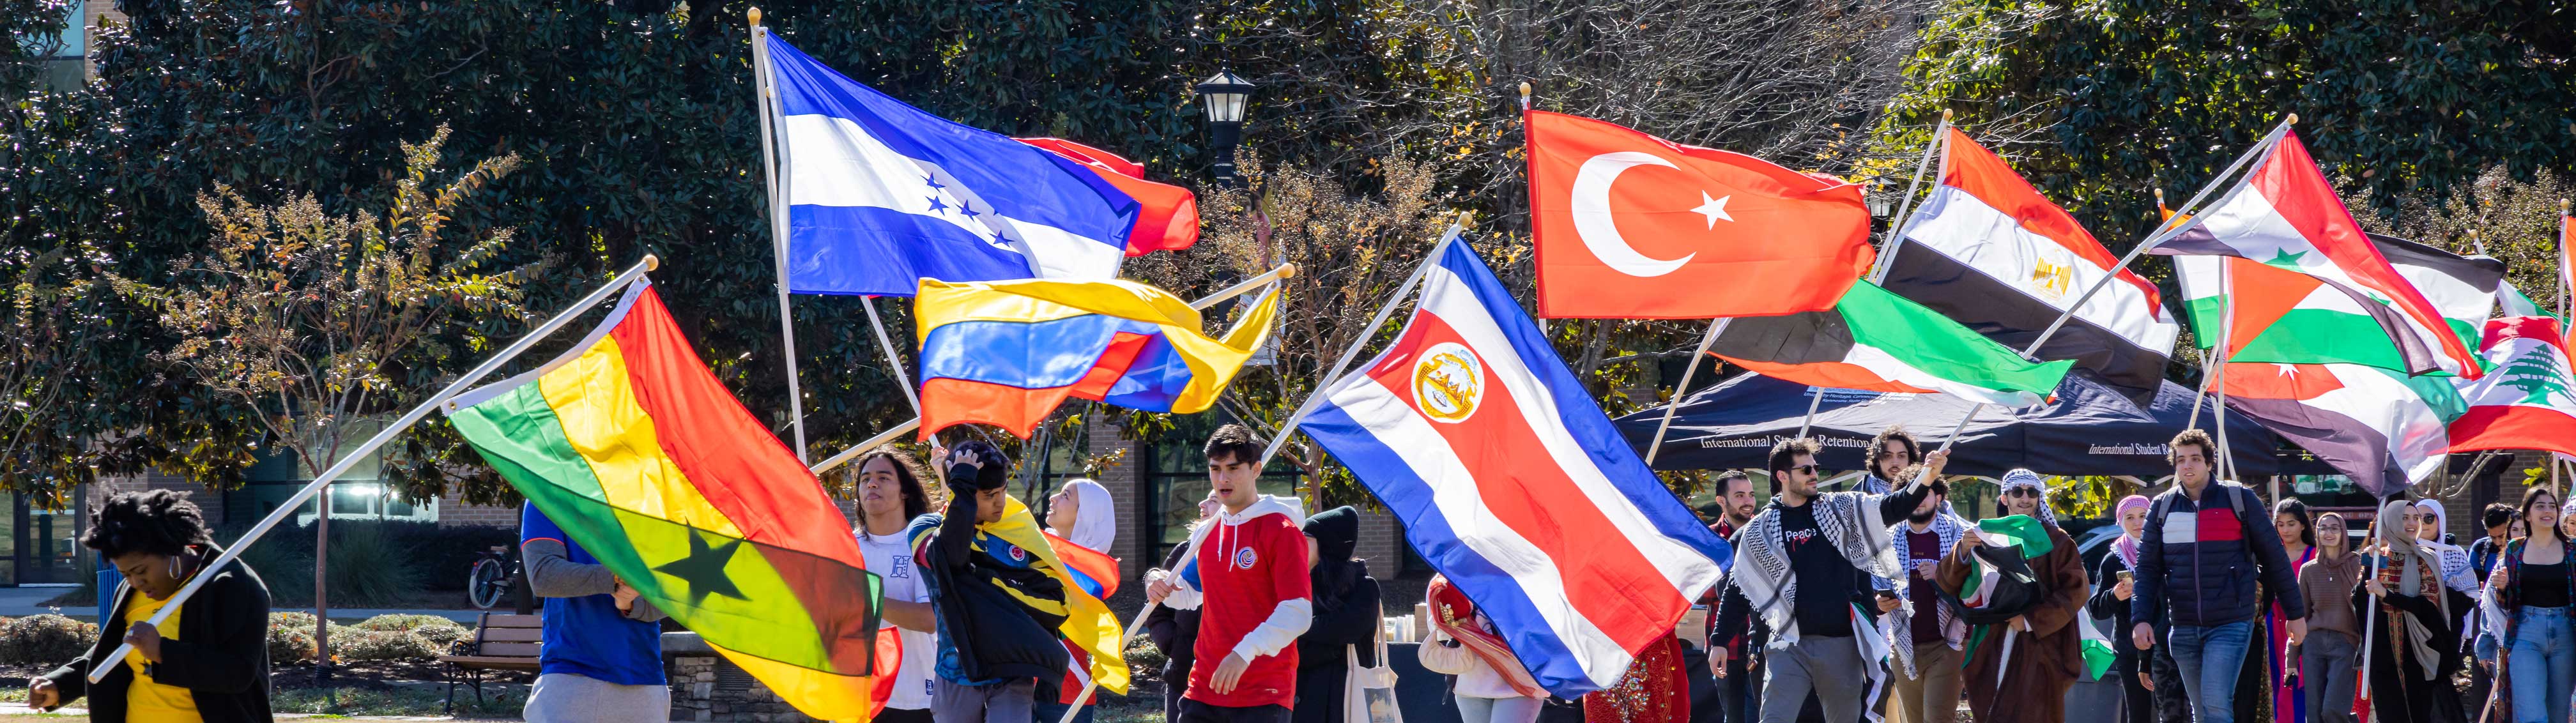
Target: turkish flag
x=1630, y=226
x=1168, y=216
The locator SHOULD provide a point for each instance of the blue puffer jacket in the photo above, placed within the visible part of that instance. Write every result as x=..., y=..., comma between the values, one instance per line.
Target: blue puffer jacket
x=2199, y=562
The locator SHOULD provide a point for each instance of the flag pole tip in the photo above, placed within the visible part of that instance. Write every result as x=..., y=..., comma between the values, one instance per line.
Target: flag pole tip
x=1287, y=271
x=652, y=262
x=1945, y=115
x=1525, y=90
x=2293, y=119
x=2562, y=206
x=2160, y=195
x=755, y=15
x=1466, y=219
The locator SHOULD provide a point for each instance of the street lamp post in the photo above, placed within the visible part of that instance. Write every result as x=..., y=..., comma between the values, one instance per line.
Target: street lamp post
x=1225, y=96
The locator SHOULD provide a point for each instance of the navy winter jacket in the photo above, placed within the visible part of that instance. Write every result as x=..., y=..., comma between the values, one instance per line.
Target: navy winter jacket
x=2199, y=562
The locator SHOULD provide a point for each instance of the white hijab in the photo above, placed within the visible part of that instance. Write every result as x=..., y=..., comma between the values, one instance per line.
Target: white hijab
x=1095, y=516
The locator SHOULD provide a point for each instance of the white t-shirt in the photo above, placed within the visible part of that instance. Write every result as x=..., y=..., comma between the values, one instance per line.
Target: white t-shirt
x=891, y=559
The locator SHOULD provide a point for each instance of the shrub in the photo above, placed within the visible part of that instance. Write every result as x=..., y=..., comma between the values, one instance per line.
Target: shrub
x=42, y=640
x=446, y=638
x=370, y=565
x=402, y=622
x=290, y=638
x=384, y=645
x=1142, y=655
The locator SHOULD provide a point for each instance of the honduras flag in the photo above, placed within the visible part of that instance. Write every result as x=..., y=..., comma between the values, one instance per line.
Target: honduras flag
x=882, y=195
x=1512, y=483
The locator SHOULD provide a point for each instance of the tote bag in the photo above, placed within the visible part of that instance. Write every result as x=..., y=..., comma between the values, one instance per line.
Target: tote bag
x=1368, y=694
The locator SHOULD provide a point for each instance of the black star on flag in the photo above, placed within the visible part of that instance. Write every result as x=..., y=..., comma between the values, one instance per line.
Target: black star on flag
x=704, y=569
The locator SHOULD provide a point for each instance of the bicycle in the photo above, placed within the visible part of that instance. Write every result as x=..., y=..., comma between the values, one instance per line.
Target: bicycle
x=495, y=577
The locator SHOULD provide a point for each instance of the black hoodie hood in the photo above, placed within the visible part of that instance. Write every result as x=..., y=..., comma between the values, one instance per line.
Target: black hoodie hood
x=1336, y=532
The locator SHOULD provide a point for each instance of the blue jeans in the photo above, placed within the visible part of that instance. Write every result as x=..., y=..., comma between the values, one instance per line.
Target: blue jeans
x=2209, y=659
x=2543, y=664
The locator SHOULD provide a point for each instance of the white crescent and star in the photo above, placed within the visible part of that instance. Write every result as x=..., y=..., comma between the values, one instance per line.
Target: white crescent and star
x=1592, y=217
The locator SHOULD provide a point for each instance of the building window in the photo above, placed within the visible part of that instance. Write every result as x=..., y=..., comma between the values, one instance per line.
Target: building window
x=1174, y=475
x=356, y=495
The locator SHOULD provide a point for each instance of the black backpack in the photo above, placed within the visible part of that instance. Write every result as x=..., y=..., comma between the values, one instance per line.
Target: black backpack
x=2017, y=589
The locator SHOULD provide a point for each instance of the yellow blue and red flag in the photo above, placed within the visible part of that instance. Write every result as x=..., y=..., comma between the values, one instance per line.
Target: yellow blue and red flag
x=1006, y=353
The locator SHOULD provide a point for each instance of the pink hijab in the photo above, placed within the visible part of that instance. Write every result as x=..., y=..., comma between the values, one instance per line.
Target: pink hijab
x=2128, y=546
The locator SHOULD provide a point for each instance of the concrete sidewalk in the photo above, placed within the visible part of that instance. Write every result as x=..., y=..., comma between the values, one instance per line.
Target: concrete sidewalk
x=19, y=602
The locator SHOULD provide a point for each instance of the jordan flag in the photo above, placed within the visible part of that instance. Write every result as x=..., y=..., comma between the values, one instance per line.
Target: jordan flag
x=2286, y=317
x=2284, y=215
x=1630, y=226
x=1989, y=252
x=2528, y=398
x=2380, y=427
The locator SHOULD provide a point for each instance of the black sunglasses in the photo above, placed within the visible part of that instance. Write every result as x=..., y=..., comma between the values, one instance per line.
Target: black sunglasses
x=1807, y=468
x=2021, y=492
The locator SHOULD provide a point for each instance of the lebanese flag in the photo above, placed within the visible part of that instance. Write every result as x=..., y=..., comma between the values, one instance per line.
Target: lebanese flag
x=2287, y=317
x=2284, y=214
x=1879, y=341
x=1514, y=485
x=2383, y=429
x=2528, y=398
x=1988, y=251
x=1167, y=218
x=1630, y=226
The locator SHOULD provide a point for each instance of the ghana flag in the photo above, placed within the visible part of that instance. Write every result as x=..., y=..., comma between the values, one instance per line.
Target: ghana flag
x=648, y=462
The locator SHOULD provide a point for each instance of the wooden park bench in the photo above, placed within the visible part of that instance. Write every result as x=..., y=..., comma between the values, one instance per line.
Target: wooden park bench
x=502, y=641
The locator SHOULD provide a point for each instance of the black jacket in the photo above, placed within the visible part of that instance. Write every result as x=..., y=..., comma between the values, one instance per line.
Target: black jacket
x=220, y=654
x=976, y=594
x=2107, y=606
x=1175, y=631
x=1346, y=615
x=2217, y=578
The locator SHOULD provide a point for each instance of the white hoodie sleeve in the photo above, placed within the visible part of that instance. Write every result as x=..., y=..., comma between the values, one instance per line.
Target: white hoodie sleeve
x=1286, y=622
x=1183, y=597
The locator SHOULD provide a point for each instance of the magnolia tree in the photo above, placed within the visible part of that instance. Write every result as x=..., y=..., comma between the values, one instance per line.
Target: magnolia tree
x=325, y=326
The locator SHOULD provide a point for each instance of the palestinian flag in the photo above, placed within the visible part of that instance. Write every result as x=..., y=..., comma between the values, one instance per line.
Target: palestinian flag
x=2098, y=653
x=2284, y=214
x=2284, y=316
x=2381, y=427
x=2511, y=302
x=2018, y=531
x=2528, y=398
x=646, y=461
x=1988, y=251
x=1879, y=341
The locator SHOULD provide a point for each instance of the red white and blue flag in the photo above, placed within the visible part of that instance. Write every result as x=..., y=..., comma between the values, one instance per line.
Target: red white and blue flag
x=1512, y=483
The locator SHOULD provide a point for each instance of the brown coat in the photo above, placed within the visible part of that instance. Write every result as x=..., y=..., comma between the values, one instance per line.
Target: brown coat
x=2047, y=659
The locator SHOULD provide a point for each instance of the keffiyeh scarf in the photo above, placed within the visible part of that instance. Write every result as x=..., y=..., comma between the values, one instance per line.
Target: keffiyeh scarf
x=2406, y=567
x=1847, y=520
x=1899, y=626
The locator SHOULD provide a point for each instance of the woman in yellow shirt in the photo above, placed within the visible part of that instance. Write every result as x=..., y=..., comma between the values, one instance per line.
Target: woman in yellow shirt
x=207, y=663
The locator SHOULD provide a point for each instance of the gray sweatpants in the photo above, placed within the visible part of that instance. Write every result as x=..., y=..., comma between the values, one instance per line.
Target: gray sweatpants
x=2327, y=661
x=1010, y=702
x=569, y=698
x=1829, y=667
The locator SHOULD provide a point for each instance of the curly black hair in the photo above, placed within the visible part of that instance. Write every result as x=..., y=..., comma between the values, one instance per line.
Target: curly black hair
x=907, y=474
x=1878, y=447
x=1785, y=453
x=157, y=522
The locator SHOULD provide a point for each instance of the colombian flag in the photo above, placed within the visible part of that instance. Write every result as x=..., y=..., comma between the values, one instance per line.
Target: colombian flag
x=1006, y=353
x=648, y=462
x=1090, y=630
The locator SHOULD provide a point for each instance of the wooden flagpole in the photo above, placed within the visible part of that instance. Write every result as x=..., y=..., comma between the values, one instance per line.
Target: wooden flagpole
x=292, y=504
x=771, y=148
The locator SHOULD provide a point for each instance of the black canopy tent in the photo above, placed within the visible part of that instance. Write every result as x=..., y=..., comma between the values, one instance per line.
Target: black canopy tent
x=2086, y=429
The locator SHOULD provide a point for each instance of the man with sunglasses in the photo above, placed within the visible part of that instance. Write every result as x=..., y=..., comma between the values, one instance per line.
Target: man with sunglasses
x=1803, y=566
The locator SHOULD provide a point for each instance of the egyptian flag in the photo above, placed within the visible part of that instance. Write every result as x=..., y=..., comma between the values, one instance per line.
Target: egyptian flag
x=2382, y=428
x=1879, y=341
x=2284, y=214
x=2528, y=398
x=2286, y=317
x=1988, y=251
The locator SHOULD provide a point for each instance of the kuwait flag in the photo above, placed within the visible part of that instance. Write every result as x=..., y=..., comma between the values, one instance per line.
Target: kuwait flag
x=1512, y=483
x=631, y=446
x=2285, y=215
x=2287, y=317
x=2528, y=398
x=1879, y=341
x=1991, y=253
x=2379, y=426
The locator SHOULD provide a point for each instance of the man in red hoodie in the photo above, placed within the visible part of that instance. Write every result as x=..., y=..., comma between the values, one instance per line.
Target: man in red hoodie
x=1249, y=584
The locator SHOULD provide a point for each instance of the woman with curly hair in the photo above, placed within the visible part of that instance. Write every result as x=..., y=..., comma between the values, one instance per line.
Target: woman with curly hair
x=208, y=662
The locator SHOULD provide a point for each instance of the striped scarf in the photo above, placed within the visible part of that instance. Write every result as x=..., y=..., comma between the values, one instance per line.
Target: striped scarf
x=1847, y=520
x=1899, y=626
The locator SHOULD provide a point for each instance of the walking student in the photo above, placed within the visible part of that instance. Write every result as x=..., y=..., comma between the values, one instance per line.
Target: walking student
x=1081, y=513
x=2112, y=589
x=891, y=496
x=1924, y=636
x=2410, y=660
x=1889, y=454
x=1347, y=615
x=1738, y=674
x=1494, y=688
x=1249, y=583
x=2205, y=551
x=602, y=657
x=1803, y=566
x=997, y=614
x=2297, y=529
x=207, y=663
x=2328, y=658
x=2028, y=681
x=2530, y=590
